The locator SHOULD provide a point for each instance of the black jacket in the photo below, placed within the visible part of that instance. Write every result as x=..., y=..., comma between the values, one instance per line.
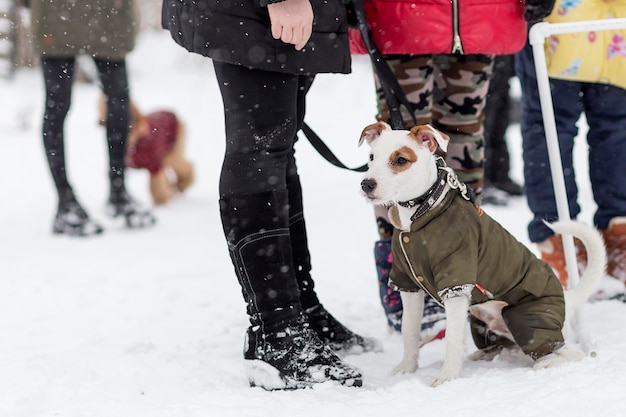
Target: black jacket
x=238, y=32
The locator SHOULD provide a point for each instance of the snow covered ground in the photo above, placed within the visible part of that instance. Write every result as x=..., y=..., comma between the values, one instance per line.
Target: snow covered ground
x=151, y=323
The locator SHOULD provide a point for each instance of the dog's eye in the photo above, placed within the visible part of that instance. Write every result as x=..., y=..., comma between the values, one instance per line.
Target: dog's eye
x=371, y=157
x=401, y=160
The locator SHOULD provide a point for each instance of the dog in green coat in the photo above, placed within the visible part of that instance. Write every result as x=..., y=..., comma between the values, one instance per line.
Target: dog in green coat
x=445, y=245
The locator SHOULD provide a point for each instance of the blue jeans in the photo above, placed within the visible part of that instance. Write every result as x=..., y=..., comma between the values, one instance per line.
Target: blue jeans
x=604, y=107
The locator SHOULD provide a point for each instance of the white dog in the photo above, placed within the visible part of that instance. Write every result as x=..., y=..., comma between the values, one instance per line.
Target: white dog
x=447, y=246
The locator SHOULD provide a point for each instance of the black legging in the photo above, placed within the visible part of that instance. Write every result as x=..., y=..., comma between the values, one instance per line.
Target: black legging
x=497, y=119
x=261, y=126
x=58, y=75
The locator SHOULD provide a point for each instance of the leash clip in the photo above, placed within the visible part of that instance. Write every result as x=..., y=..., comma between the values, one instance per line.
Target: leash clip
x=453, y=182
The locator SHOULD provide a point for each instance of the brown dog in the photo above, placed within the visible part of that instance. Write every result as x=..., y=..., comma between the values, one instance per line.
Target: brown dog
x=156, y=142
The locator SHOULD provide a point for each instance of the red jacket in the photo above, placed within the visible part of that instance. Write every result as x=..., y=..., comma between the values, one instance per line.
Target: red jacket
x=416, y=27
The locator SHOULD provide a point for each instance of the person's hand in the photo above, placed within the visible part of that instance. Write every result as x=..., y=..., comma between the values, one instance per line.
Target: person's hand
x=292, y=21
x=536, y=10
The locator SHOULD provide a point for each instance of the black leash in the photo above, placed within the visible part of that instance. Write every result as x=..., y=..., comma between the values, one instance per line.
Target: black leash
x=323, y=150
x=394, y=95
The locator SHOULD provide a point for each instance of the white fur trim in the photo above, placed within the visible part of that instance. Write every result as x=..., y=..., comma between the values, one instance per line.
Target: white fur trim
x=456, y=291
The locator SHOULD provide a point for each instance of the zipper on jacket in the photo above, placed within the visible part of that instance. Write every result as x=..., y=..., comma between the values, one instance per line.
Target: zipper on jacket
x=457, y=46
x=408, y=262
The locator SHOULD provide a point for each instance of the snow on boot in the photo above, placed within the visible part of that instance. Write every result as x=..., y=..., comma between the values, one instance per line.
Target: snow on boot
x=293, y=358
x=494, y=196
x=339, y=338
x=433, y=321
x=136, y=217
x=72, y=220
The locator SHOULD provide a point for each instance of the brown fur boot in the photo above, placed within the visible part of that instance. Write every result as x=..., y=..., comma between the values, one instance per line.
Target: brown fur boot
x=552, y=252
x=615, y=240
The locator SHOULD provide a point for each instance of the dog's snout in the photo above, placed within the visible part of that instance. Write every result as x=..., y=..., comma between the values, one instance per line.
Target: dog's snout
x=368, y=185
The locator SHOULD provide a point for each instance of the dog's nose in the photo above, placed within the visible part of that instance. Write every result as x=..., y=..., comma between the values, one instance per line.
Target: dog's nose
x=368, y=185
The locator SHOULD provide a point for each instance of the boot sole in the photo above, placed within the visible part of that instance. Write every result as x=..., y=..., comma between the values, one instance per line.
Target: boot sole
x=133, y=220
x=263, y=375
x=78, y=231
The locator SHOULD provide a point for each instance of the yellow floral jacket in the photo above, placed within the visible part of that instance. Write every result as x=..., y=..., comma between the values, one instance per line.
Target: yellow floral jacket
x=588, y=56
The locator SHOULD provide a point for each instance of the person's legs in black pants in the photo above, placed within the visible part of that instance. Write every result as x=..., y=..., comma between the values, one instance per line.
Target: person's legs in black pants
x=71, y=218
x=115, y=86
x=114, y=81
x=497, y=120
x=261, y=211
x=58, y=74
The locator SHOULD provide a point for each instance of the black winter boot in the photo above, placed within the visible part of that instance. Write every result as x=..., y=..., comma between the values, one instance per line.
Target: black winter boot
x=509, y=186
x=281, y=351
x=120, y=203
x=293, y=357
x=493, y=195
x=337, y=336
x=257, y=233
x=71, y=219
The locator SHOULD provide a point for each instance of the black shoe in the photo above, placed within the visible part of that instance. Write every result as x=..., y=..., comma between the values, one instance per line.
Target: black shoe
x=336, y=335
x=509, y=186
x=494, y=196
x=293, y=358
x=137, y=217
x=72, y=220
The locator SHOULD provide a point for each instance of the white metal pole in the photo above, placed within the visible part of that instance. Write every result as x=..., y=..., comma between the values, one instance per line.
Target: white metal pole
x=554, y=152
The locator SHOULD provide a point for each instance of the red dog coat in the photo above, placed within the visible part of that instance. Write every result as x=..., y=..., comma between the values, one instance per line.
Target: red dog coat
x=151, y=147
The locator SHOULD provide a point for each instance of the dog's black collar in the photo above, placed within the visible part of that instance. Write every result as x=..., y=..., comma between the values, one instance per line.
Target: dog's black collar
x=445, y=176
x=428, y=199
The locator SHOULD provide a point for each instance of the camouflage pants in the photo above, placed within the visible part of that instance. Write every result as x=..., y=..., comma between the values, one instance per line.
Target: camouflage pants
x=449, y=92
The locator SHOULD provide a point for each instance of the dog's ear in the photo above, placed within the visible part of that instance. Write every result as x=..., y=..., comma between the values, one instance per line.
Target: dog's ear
x=371, y=132
x=441, y=138
x=431, y=137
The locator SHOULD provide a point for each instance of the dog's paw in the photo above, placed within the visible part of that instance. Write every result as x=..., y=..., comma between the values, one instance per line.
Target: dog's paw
x=405, y=367
x=487, y=354
x=549, y=361
x=483, y=355
x=443, y=377
x=447, y=373
x=559, y=356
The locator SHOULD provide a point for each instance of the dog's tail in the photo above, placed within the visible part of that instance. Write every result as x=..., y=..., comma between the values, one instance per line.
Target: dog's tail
x=596, y=260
